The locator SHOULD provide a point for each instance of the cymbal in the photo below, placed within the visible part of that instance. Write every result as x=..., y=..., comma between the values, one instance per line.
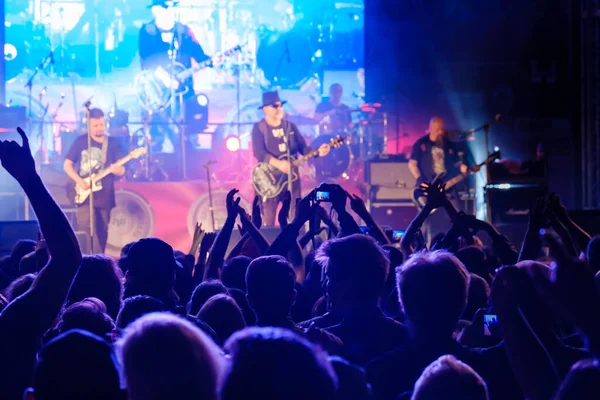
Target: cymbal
x=301, y=120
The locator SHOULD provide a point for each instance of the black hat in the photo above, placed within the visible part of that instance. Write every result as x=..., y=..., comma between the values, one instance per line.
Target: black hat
x=269, y=98
x=164, y=3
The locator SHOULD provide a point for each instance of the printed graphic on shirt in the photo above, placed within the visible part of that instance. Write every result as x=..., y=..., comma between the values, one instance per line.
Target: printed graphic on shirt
x=84, y=165
x=278, y=133
x=437, y=154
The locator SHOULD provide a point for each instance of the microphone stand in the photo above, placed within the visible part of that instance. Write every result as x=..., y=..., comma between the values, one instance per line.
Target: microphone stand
x=91, y=198
x=210, y=197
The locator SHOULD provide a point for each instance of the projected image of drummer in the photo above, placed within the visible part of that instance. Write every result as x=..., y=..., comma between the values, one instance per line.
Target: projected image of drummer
x=332, y=114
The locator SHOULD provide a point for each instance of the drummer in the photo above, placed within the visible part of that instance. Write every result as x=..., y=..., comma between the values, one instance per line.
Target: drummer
x=334, y=116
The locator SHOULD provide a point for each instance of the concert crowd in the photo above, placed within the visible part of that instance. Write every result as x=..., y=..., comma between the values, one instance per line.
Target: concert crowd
x=325, y=311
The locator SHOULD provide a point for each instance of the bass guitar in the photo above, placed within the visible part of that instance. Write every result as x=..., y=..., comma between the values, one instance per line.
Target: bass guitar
x=419, y=197
x=155, y=88
x=269, y=182
x=78, y=195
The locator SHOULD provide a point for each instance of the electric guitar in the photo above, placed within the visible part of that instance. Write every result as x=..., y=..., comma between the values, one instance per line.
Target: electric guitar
x=419, y=197
x=269, y=182
x=78, y=195
x=155, y=88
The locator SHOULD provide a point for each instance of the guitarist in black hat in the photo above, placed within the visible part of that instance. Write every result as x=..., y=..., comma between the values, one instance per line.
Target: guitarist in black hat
x=269, y=142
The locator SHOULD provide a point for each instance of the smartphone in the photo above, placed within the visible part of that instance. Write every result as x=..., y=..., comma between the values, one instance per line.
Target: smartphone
x=364, y=229
x=322, y=196
x=398, y=234
x=489, y=320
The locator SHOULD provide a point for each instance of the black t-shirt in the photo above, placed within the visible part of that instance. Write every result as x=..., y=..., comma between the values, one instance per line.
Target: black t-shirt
x=435, y=158
x=154, y=46
x=341, y=118
x=273, y=142
x=78, y=153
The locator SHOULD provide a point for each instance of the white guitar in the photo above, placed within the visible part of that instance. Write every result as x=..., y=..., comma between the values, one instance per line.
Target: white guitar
x=80, y=195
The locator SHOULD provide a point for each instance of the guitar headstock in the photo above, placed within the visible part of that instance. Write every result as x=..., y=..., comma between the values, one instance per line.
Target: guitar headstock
x=337, y=141
x=137, y=153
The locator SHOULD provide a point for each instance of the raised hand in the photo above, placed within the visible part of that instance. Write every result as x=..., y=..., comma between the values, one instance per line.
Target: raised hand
x=537, y=214
x=256, y=216
x=435, y=193
x=232, y=205
x=304, y=209
x=282, y=217
x=358, y=205
x=196, y=238
x=17, y=159
x=207, y=241
x=556, y=207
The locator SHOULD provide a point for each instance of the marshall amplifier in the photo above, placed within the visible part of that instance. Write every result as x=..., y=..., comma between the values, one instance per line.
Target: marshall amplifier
x=389, y=179
x=510, y=203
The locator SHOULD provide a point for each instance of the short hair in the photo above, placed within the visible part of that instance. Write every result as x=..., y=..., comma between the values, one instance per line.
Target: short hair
x=96, y=113
x=167, y=357
x=136, y=307
x=432, y=289
x=274, y=363
x=359, y=261
x=203, y=292
x=270, y=284
x=478, y=297
x=100, y=277
x=222, y=313
x=449, y=378
x=233, y=274
x=77, y=365
x=581, y=381
x=90, y=315
x=474, y=260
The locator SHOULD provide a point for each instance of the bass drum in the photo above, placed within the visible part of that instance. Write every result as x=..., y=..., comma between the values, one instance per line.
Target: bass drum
x=286, y=59
x=334, y=164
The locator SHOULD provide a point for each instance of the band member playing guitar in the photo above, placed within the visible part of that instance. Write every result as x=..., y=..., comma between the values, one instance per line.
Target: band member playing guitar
x=105, y=151
x=432, y=156
x=269, y=143
x=333, y=115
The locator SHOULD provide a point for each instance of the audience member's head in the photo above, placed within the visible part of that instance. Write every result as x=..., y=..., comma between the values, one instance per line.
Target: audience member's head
x=203, y=292
x=233, y=275
x=479, y=294
x=474, y=260
x=89, y=315
x=29, y=264
x=222, y=313
x=242, y=302
x=276, y=364
x=270, y=283
x=151, y=269
x=19, y=286
x=352, y=380
x=184, y=282
x=19, y=250
x=593, y=253
x=136, y=307
x=98, y=276
x=166, y=357
x=433, y=288
x=123, y=257
x=581, y=382
x=451, y=379
x=76, y=365
x=355, y=269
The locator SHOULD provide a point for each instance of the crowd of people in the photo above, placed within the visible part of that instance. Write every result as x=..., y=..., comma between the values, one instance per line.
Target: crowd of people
x=325, y=311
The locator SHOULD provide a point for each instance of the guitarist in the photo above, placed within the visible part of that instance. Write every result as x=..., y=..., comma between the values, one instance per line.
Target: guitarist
x=105, y=151
x=431, y=156
x=269, y=142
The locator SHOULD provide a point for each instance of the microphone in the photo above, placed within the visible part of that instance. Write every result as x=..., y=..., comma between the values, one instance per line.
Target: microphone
x=88, y=102
x=209, y=163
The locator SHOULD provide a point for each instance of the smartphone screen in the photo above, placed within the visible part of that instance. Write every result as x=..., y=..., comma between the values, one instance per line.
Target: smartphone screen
x=489, y=320
x=364, y=229
x=398, y=233
x=322, y=196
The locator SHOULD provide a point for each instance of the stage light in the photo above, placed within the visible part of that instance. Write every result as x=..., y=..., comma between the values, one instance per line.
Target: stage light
x=202, y=100
x=233, y=144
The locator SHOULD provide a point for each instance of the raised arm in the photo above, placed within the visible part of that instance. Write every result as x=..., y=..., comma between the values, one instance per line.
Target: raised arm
x=219, y=248
x=532, y=244
x=259, y=240
x=39, y=306
x=358, y=206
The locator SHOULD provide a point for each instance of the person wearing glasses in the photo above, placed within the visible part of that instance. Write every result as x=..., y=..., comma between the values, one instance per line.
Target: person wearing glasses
x=269, y=143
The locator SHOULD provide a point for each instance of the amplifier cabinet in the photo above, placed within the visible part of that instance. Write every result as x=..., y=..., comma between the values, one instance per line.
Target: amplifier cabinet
x=389, y=180
x=396, y=215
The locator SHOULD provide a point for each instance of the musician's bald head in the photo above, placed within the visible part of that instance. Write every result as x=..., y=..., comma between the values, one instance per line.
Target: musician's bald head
x=436, y=129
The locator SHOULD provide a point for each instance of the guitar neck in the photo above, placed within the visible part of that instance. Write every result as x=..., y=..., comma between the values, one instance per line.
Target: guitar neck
x=305, y=157
x=106, y=171
x=183, y=75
